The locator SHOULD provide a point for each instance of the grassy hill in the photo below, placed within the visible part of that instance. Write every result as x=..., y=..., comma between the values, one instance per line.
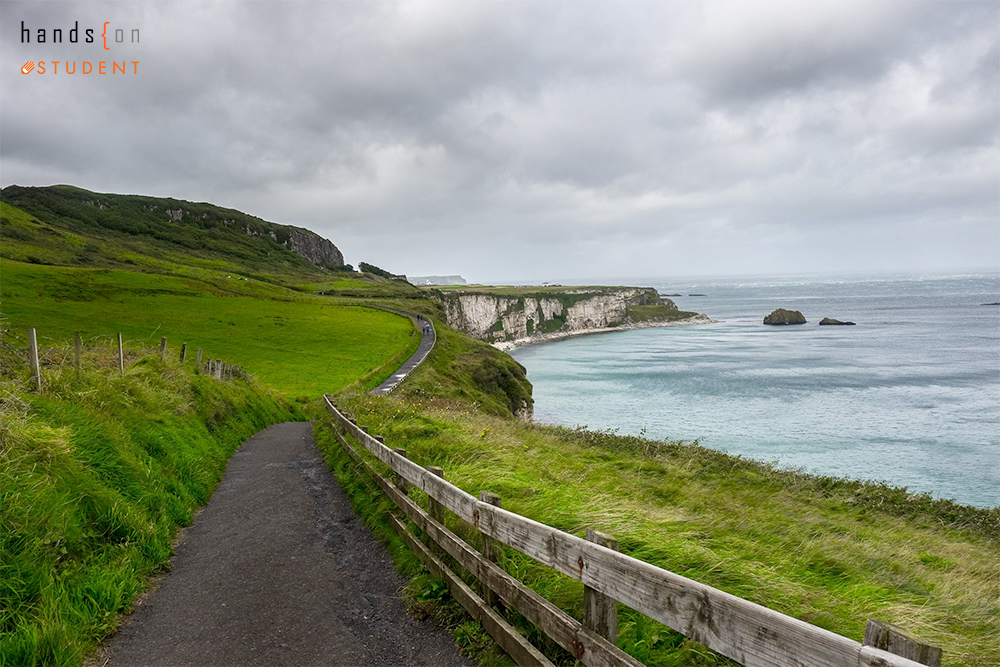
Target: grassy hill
x=232, y=252
x=215, y=278
x=69, y=218
x=832, y=552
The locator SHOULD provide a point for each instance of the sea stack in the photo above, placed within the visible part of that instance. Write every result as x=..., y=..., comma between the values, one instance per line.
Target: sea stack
x=831, y=321
x=782, y=316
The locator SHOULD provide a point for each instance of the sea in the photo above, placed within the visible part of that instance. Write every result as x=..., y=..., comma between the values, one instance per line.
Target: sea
x=910, y=395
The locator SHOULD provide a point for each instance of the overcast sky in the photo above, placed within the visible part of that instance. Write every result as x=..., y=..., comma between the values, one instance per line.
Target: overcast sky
x=515, y=141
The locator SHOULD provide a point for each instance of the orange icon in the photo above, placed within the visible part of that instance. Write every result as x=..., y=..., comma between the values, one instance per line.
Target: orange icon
x=28, y=66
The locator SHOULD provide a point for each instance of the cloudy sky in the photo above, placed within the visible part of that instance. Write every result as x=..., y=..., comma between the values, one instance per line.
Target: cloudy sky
x=515, y=141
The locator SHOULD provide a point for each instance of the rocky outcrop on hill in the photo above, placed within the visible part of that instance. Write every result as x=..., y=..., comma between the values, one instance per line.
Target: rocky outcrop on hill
x=314, y=248
x=833, y=322
x=521, y=315
x=222, y=233
x=782, y=316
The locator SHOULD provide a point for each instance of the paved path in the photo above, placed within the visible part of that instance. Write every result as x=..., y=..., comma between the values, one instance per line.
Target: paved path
x=425, y=347
x=279, y=570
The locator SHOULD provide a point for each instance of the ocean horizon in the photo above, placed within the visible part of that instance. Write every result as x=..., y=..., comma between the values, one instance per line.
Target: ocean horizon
x=909, y=396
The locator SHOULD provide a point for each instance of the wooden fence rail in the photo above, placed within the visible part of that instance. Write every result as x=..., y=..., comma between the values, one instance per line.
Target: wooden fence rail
x=746, y=632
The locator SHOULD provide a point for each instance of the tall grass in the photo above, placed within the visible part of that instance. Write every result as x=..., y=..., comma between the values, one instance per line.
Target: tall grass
x=828, y=551
x=97, y=472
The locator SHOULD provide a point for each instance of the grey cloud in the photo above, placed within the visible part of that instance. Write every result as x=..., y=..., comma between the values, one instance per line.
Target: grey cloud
x=583, y=137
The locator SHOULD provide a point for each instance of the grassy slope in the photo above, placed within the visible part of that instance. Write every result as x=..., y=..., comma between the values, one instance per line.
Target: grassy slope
x=59, y=226
x=468, y=372
x=827, y=551
x=96, y=263
x=71, y=219
x=96, y=474
x=305, y=345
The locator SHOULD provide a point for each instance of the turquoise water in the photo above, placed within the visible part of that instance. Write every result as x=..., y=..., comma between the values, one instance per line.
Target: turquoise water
x=911, y=395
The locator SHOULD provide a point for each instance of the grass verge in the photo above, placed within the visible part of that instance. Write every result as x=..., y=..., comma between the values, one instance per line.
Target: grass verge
x=97, y=472
x=828, y=551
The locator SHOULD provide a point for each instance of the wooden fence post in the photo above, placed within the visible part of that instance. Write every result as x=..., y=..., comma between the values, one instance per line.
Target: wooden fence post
x=163, y=347
x=184, y=349
x=197, y=363
x=600, y=612
x=77, y=350
x=121, y=356
x=36, y=368
x=436, y=509
x=401, y=483
x=218, y=369
x=897, y=641
x=490, y=550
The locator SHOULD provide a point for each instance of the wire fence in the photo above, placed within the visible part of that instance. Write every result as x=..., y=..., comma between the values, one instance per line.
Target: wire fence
x=26, y=351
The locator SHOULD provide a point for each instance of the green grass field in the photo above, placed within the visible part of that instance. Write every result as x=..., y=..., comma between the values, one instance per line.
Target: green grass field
x=303, y=346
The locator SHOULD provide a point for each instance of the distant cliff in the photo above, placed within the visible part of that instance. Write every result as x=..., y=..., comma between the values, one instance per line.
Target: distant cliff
x=524, y=314
x=437, y=280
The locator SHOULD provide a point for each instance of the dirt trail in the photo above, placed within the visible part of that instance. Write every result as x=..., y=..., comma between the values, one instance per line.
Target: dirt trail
x=279, y=570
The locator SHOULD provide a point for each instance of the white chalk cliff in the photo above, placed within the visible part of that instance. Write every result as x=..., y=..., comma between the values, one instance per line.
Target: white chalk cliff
x=497, y=317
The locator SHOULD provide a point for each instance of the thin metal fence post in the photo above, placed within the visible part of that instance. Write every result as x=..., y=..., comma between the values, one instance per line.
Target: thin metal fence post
x=77, y=350
x=36, y=368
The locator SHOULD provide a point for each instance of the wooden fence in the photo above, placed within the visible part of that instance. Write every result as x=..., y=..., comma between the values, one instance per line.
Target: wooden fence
x=215, y=368
x=746, y=632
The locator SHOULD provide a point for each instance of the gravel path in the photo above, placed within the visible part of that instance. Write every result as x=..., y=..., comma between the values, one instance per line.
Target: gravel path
x=279, y=570
x=426, y=345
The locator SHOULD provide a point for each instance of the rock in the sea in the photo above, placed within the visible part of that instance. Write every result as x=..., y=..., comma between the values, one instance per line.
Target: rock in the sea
x=830, y=320
x=782, y=316
x=995, y=303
